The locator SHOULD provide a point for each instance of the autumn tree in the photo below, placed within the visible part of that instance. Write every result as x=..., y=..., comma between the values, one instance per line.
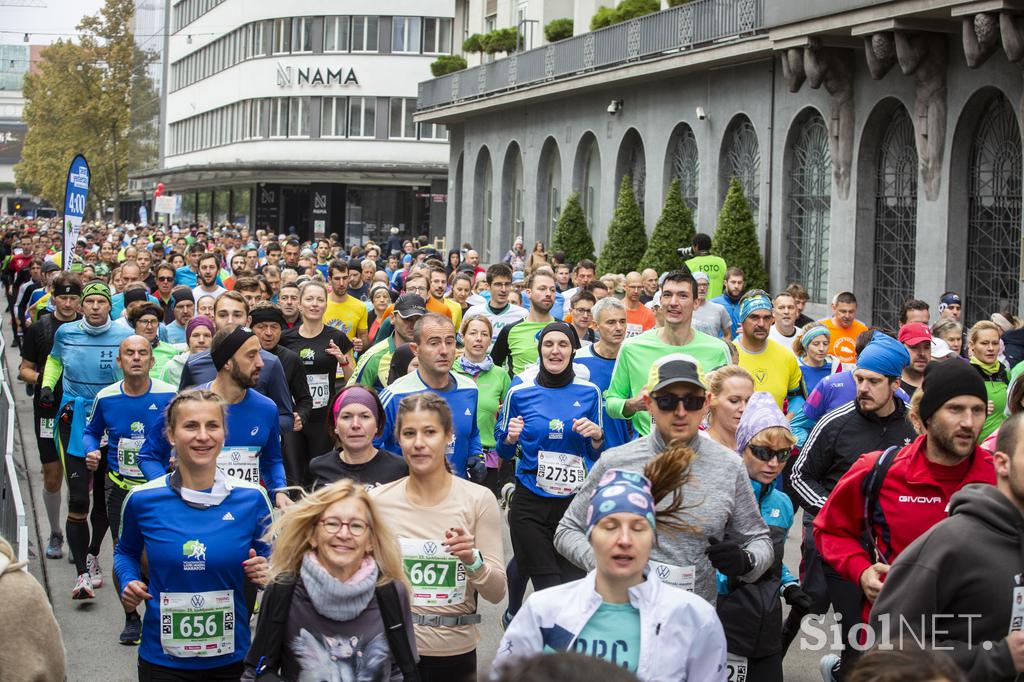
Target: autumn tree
x=93, y=97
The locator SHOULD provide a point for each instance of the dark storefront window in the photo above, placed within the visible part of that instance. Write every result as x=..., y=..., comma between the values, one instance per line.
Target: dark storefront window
x=240, y=205
x=371, y=212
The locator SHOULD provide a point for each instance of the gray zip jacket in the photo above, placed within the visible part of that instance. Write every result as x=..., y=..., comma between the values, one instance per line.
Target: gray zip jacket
x=718, y=500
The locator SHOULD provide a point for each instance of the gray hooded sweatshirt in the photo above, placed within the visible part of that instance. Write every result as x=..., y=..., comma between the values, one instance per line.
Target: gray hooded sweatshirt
x=718, y=500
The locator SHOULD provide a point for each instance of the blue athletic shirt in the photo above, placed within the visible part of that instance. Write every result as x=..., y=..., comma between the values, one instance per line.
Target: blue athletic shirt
x=547, y=427
x=127, y=417
x=252, y=423
x=191, y=550
x=612, y=634
x=616, y=431
x=90, y=361
x=461, y=396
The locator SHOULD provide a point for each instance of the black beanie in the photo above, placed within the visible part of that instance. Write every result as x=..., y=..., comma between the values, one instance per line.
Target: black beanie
x=946, y=380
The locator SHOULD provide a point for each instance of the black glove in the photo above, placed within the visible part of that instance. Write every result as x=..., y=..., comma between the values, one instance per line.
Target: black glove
x=728, y=558
x=46, y=398
x=797, y=598
x=476, y=469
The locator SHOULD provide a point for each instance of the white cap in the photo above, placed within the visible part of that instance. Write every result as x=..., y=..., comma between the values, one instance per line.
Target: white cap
x=654, y=302
x=940, y=349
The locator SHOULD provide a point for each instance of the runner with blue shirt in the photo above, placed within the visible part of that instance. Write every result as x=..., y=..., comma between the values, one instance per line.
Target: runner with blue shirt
x=253, y=448
x=201, y=531
x=434, y=345
x=123, y=412
x=599, y=358
x=82, y=358
x=551, y=423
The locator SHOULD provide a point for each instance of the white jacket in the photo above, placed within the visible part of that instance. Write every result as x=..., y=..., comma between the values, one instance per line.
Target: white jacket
x=681, y=637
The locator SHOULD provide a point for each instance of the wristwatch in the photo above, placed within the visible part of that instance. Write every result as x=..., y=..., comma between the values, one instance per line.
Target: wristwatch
x=478, y=562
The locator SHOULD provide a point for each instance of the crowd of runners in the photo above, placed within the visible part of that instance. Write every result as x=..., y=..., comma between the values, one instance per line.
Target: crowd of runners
x=306, y=455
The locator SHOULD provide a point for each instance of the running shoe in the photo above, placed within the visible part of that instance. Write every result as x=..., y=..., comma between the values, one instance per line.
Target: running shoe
x=131, y=635
x=92, y=563
x=83, y=588
x=506, y=618
x=828, y=667
x=55, y=546
x=506, y=494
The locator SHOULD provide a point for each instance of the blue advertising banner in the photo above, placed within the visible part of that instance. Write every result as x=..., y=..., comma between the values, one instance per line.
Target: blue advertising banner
x=75, y=195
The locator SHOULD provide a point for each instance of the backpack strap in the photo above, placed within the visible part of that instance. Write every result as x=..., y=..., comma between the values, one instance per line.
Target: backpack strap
x=393, y=615
x=269, y=636
x=872, y=488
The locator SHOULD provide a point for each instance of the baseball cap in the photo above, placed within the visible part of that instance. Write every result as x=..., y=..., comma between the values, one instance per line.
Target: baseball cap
x=518, y=276
x=914, y=333
x=674, y=368
x=410, y=305
x=940, y=349
x=700, y=276
x=49, y=266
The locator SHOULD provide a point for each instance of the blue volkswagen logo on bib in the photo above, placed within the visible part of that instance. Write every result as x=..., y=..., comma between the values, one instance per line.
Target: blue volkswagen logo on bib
x=197, y=601
x=429, y=548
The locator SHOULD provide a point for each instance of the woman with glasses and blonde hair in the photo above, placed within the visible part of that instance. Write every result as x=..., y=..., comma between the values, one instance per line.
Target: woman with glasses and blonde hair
x=449, y=531
x=336, y=606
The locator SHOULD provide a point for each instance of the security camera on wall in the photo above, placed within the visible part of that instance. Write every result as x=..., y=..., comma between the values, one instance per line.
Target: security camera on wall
x=701, y=114
x=614, y=107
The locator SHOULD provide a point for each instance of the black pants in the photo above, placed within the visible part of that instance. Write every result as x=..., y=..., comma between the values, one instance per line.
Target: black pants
x=812, y=581
x=847, y=599
x=296, y=463
x=151, y=672
x=460, y=668
x=765, y=669
x=532, y=521
x=115, y=500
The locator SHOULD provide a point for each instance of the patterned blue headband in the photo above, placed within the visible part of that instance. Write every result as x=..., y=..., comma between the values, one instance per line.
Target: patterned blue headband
x=621, y=492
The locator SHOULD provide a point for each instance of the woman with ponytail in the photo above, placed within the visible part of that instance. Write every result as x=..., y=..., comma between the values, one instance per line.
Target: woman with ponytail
x=621, y=611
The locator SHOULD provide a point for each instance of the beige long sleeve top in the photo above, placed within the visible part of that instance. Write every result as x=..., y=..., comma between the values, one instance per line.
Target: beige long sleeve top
x=469, y=506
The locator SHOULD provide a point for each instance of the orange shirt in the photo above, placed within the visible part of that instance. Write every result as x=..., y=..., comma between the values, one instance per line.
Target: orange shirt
x=437, y=305
x=844, y=341
x=638, y=321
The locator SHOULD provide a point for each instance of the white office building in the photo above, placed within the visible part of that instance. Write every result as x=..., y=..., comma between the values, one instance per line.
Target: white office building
x=298, y=116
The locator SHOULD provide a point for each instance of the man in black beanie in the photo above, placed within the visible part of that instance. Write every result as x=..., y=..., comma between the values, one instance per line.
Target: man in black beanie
x=888, y=499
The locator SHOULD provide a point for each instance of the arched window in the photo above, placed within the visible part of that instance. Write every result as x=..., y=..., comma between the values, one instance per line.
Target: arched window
x=514, y=194
x=895, y=219
x=457, y=213
x=994, y=214
x=809, y=205
x=686, y=167
x=590, y=190
x=549, y=183
x=742, y=160
x=633, y=162
x=483, y=204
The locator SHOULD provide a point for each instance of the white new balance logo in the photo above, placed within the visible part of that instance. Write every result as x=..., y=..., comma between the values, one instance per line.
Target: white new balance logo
x=227, y=517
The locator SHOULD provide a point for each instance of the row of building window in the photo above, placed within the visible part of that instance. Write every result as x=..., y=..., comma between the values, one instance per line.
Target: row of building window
x=187, y=11
x=292, y=117
x=303, y=35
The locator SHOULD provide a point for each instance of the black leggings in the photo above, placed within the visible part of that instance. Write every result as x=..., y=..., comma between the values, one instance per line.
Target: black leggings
x=459, y=668
x=313, y=441
x=80, y=480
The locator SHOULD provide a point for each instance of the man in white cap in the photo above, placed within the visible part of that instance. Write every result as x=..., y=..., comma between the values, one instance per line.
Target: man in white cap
x=710, y=317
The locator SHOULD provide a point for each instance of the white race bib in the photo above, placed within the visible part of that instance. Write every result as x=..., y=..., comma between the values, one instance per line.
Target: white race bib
x=242, y=461
x=560, y=473
x=128, y=457
x=437, y=578
x=736, y=668
x=197, y=623
x=46, y=427
x=319, y=389
x=634, y=330
x=684, y=577
x=1017, y=610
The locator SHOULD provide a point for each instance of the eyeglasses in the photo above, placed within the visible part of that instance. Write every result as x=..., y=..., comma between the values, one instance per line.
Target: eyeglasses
x=416, y=290
x=766, y=454
x=165, y=279
x=583, y=311
x=355, y=527
x=669, y=403
x=148, y=323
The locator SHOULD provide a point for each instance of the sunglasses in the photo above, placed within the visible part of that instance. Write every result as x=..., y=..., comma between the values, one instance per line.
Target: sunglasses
x=765, y=453
x=165, y=279
x=669, y=403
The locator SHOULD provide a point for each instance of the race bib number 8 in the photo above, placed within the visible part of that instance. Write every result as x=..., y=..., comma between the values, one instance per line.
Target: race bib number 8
x=437, y=578
x=241, y=462
x=559, y=473
x=197, y=624
x=319, y=389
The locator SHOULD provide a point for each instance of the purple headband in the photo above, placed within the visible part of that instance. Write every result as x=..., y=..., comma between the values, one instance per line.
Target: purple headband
x=357, y=395
x=198, y=321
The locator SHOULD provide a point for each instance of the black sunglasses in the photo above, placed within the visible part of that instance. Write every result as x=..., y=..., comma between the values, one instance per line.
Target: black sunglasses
x=669, y=403
x=765, y=453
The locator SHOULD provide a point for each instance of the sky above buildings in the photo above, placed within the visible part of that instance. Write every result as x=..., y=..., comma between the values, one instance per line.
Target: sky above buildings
x=46, y=21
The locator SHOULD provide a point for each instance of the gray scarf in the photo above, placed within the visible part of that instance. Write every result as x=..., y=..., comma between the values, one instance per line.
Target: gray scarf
x=332, y=598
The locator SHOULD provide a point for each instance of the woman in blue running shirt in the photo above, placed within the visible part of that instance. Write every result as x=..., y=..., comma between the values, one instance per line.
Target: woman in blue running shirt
x=201, y=532
x=551, y=422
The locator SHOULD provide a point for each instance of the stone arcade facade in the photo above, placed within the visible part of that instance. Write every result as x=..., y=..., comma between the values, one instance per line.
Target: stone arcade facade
x=879, y=145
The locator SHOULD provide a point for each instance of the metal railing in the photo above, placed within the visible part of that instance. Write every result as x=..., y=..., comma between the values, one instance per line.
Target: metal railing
x=680, y=28
x=13, y=521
